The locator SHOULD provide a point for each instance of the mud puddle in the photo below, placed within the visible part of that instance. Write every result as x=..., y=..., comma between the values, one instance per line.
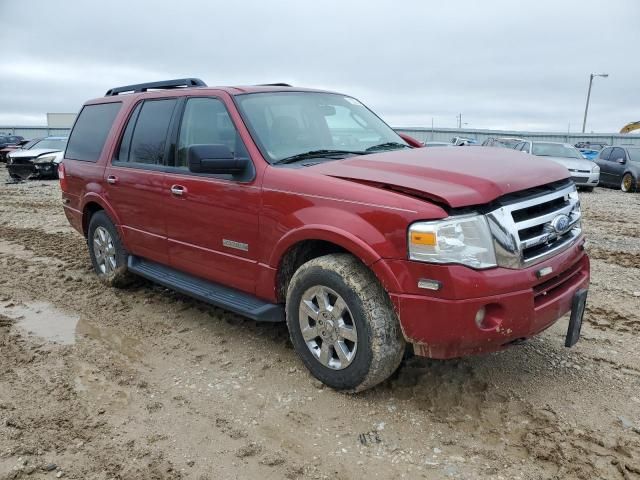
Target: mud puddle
x=43, y=320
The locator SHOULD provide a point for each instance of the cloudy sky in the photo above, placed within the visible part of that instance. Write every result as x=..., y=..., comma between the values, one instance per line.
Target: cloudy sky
x=503, y=64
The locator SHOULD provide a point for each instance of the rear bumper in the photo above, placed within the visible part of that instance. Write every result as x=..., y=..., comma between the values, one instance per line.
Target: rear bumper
x=447, y=327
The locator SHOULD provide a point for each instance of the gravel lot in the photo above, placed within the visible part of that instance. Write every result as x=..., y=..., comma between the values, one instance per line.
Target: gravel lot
x=144, y=383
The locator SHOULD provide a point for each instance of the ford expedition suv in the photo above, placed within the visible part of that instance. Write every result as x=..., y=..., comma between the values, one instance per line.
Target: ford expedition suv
x=297, y=205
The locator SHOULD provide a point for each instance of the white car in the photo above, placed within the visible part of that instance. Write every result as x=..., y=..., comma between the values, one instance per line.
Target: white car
x=41, y=161
x=584, y=173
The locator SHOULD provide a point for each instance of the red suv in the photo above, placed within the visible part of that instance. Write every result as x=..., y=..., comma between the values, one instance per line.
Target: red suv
x=297, y=205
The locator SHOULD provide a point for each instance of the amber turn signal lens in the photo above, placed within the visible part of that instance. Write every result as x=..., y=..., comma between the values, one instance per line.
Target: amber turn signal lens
x=423, y=238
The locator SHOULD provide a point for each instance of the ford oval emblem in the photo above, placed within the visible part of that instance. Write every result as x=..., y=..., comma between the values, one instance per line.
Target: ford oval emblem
x=561, y=223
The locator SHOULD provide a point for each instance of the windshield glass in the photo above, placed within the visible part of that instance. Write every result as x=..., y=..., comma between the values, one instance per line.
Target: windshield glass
x=30, y=144
x=555, y=150
x=285, y=124
x=634, y=154
x=58, y=143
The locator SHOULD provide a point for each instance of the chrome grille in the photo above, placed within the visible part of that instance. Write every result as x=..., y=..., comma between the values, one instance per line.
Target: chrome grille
x=533, y=229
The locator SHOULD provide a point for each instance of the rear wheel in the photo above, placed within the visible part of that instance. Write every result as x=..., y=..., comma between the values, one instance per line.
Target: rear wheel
x=108, y=256
x=342, y=323
x=628, y=183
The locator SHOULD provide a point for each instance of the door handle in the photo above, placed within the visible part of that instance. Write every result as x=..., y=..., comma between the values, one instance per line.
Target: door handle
x=178, y=190
x=112, y=179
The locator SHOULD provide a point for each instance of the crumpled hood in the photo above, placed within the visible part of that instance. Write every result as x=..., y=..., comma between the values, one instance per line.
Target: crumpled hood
x=458, y=177
x=34, y=152
x=572, y=163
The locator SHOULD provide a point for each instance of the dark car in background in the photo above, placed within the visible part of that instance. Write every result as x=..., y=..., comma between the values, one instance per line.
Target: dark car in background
x=620, y=167
x=5, y=151
x=9, y=143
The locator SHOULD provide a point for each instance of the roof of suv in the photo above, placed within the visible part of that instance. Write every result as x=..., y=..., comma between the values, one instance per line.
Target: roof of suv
x=191, y=85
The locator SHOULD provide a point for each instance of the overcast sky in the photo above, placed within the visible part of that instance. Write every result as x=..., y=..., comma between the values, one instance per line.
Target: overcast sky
x=503, y=64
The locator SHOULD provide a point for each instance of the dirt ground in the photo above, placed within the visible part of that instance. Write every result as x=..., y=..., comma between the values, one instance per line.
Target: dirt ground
x=143, y=383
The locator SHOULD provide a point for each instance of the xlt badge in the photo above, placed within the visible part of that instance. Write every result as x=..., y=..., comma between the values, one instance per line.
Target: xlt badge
x=237, y=245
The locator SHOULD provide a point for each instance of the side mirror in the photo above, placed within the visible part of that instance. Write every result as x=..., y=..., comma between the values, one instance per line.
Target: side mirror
x=621, y=161
x=214, y=159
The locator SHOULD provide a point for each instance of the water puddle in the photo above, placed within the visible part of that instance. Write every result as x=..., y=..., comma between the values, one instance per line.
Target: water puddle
x=43, y=320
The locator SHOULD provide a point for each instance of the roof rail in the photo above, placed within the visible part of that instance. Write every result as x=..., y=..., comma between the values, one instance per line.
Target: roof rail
x=162, y=85
x=273, y=85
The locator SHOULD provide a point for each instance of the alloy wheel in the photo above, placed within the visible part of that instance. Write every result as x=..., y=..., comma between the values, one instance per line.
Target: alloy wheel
x=327, y=327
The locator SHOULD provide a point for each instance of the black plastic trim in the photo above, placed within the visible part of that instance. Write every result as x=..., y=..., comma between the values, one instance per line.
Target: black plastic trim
x=209, y=292
x=161, y=85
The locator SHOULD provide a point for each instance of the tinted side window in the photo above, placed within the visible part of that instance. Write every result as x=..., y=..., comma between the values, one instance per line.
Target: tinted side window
x=147, y=131
x=617, y=154
x=604, y=154
x=206, y=121
x=90, y=131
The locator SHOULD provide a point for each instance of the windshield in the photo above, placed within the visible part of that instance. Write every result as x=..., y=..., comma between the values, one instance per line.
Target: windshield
x=287, y=124
x=57, y=143
x=507, y=142
x=555, y=150
x=634, y=154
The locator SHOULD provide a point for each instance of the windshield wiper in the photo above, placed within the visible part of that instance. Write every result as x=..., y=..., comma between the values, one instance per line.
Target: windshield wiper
x=315, y=154
x=387, y=146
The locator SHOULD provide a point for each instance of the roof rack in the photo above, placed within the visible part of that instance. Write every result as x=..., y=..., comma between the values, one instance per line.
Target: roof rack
x=273, y=85
x=162, y=85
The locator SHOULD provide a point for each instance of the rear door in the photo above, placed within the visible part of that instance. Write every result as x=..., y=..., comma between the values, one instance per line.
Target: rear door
x=135, y=181
x=212, y=220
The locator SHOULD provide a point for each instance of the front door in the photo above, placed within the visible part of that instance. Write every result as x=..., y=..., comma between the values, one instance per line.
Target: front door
x=135, y=182
x=616, y=167
x=212, y=220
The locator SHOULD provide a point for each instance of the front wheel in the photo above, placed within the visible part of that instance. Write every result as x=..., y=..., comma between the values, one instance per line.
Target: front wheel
x=628, y=183
x=342, y=323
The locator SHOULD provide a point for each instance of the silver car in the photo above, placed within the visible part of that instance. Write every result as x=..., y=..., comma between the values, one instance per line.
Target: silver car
x=584, y=173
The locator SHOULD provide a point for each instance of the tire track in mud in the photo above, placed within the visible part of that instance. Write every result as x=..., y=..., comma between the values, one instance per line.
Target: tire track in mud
x=624, y=259
x=470, y=406
x=67, y=247
x=604, y=318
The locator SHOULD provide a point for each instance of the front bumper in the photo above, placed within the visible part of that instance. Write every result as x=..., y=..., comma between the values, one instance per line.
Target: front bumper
x=26, y=170
x=517, y=303
x=583, y=179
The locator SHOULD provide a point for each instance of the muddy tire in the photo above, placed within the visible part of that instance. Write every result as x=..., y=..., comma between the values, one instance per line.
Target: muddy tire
x=342, y=323
x=628, y=183
x=108, y=256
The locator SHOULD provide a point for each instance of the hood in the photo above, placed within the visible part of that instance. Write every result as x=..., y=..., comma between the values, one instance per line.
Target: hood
x=458, y=177
x=34, y=152
x=572, y=163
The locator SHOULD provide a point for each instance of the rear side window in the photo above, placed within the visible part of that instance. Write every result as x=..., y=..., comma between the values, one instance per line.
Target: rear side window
x=145, y=137
x=90, y=131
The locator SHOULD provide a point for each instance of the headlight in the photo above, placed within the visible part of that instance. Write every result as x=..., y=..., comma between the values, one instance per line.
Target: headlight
x=465, y=240
x=45, y=159
x=595, y=169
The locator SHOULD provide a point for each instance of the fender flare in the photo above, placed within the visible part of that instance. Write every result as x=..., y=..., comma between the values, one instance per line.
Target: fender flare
x=342, y=238
x=93, y=197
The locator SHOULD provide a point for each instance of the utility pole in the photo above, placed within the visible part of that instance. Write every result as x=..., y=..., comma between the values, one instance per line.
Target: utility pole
x=586, y=107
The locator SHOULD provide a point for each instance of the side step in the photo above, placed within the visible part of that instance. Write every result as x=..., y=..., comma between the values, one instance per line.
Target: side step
x=210, y=292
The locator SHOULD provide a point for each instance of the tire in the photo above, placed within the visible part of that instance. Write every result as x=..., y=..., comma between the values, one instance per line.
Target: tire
x=108, y=256
x=586, y=189
x=366, y=329
x=628, y=183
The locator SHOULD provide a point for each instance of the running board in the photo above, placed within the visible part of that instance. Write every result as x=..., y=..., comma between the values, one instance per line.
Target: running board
x=210, y=292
